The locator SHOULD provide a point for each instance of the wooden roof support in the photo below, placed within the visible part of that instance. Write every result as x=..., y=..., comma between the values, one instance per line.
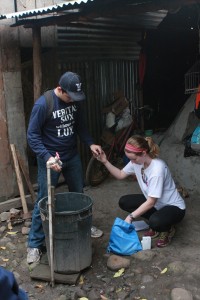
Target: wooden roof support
x=37, y=62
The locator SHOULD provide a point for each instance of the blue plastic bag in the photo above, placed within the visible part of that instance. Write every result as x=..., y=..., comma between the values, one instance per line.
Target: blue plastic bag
x=123, y=238
x=196, y=136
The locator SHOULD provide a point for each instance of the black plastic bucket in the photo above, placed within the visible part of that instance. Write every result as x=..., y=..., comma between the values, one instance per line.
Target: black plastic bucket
x=72, y=223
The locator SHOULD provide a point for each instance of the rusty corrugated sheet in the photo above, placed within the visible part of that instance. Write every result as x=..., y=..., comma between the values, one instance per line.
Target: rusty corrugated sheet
x=44, y=10
x=141, y=20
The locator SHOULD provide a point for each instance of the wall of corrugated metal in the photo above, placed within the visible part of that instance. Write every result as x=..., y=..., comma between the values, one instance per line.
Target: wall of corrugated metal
x=101, y=79
x=98, y=40
x=107, y=60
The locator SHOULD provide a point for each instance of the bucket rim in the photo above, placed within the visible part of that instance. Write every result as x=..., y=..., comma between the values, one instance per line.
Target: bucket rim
x=70, y=212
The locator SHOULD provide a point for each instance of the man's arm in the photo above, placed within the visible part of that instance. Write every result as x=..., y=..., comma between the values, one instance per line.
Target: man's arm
x=81, y=126
x=34, y=132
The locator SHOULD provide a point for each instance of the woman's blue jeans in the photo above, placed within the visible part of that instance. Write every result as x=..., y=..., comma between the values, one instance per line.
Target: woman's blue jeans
x=73, y=174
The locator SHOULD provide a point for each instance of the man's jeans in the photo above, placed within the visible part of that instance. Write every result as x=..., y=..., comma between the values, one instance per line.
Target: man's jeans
x=72, y=172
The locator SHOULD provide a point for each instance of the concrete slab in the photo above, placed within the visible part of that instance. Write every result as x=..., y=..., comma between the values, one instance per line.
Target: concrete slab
x=42, y=272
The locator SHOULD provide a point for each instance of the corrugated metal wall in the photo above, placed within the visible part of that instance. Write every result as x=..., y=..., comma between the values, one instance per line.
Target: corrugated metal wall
x=104, y=71
x=101, y=79
x=100, y=39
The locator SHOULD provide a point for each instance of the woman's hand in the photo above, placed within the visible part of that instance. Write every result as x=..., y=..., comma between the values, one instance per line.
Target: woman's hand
x=101, y=157
x=117, y=173
x=129, y=219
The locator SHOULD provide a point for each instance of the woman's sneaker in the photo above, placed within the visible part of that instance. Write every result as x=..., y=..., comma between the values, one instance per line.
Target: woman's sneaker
x=165, y=238
x=153, y=234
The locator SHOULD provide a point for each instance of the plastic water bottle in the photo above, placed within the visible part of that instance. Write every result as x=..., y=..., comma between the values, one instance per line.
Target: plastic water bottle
x=146, y=242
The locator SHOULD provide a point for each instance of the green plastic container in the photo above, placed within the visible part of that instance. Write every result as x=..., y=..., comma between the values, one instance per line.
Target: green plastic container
x=148, y=132
x=72, y=231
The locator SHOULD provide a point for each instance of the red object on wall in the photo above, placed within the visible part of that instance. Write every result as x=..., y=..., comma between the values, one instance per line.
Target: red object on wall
x=197, y=100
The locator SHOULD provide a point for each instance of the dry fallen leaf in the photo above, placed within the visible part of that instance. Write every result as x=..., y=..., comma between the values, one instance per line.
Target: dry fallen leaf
x=119, y=273
x=12, y=232
x=81, y=280
x=163, y=271
x=5, y=259
x=39, y=286
x=83, y=298
x=3, y=248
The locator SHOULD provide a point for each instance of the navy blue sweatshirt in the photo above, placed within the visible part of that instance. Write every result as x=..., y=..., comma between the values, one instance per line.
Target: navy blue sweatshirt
x=46, y=136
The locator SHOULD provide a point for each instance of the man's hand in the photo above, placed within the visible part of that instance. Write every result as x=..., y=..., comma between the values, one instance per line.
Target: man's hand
x=54, y=163
x=96, y=149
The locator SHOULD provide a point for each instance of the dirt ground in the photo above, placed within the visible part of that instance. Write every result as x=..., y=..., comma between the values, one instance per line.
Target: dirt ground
x=143, y=279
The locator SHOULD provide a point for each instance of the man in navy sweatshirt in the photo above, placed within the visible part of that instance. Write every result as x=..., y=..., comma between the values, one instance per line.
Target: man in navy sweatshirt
x=57, y=133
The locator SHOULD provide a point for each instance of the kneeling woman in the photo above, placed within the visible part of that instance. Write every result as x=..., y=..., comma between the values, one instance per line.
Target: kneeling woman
x=160, y=202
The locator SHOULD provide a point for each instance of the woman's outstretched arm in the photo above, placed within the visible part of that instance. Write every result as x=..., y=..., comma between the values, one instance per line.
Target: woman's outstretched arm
x=117, y=173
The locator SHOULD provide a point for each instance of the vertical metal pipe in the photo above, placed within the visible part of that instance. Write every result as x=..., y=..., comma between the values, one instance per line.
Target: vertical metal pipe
x=15, y=7
x=50, y=200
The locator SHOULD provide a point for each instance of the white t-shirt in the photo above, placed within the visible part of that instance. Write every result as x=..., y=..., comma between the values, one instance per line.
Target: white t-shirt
x=156, y=182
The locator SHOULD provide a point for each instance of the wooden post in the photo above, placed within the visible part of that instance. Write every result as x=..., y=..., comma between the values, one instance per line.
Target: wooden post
x=141, y=104
x=19, y=179
x=37, y=66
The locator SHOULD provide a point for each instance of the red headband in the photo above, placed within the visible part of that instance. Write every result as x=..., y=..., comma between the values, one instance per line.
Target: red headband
x=132, y=148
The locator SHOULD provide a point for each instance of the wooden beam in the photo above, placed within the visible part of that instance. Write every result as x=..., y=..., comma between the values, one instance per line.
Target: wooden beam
x=37, y=65
x=13, y=203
